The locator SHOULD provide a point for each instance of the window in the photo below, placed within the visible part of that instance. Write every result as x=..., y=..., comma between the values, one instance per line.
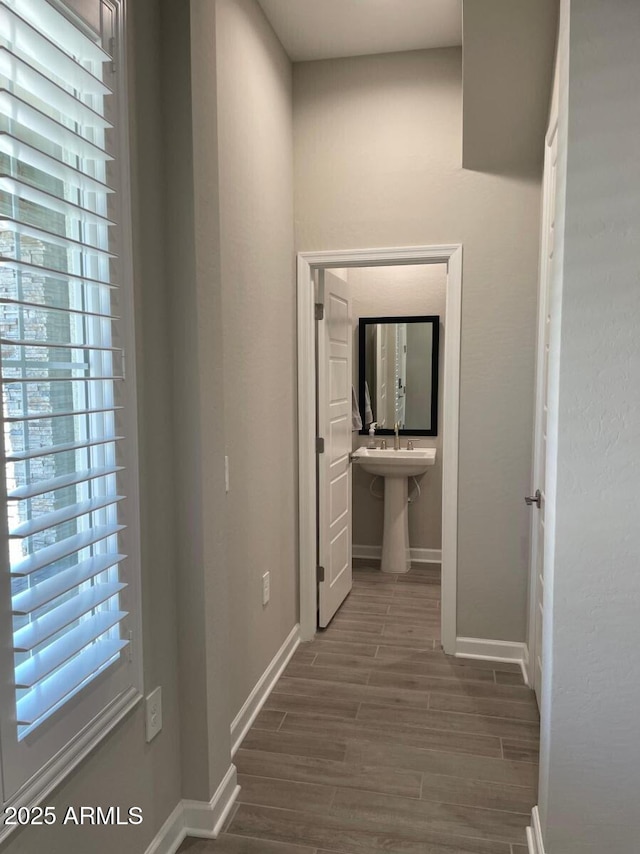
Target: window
x=69, y=591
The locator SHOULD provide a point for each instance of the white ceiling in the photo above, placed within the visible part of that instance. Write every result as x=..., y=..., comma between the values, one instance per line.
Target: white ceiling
x=325, y=29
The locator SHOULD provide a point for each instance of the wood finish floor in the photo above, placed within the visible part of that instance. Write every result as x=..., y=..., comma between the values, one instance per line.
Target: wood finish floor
x=373, y=740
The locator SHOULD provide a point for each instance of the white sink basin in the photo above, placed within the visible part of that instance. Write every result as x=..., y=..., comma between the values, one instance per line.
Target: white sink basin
x=396, y=467
x=390, y=463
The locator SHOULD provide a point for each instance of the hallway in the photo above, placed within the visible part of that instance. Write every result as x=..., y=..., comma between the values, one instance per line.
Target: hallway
x=374, y=740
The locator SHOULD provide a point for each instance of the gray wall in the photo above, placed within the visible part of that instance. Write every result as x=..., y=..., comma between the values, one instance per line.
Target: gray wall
x=508, y=66
x=410, y=290
x=124, y=770
x=233, y=305
x=378, y=163
x=193, y=265
x=590, y=772
x=258, y=322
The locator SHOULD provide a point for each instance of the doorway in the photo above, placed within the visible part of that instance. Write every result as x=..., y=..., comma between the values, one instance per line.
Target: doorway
x=308, y=264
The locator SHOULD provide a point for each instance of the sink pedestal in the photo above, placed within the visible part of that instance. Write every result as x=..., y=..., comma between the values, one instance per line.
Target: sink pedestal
x=396, y=467
x=395, y=540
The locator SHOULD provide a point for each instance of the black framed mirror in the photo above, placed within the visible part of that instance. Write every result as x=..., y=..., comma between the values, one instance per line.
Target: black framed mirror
x=398, y=374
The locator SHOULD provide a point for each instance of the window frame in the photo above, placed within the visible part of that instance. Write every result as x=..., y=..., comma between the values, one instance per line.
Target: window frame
x=60, y=743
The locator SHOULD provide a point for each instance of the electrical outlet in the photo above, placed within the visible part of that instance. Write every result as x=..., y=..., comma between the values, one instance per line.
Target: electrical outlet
x=266, y=587
x=153, y=707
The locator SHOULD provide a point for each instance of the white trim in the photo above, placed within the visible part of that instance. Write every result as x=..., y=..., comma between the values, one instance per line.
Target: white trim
x=524, y=666
x=128, y=299
x=171, y=835
x=203, y=819
x=494, y=650
x=387, y=257
x=450, y=440
x=308, y=262
x=534, y=834
x=242, y=722
x=417, y=555
x=307, y=503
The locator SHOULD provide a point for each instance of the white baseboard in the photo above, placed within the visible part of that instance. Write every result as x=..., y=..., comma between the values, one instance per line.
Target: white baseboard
x=534, y=833
x=256, y=699
x=197, y=818
x=205, y=819
x=495, y=650
x=417, y=555
x=524, y=664
x=171, y=835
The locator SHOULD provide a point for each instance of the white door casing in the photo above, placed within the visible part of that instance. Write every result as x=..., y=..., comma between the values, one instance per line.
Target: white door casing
x=307, y=263
x=334, y=425
x=541, y=416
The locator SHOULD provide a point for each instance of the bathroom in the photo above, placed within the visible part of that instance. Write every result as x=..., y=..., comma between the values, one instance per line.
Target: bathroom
x=403, y=291
x=397, y=381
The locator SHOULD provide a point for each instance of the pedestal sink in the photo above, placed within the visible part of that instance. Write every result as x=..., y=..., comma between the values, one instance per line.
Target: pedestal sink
x=395, y=467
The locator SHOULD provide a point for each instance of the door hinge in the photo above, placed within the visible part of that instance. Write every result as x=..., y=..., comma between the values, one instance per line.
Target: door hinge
x=112, y=51
x=320, y=573
x=536, y=499
x=319, y=445
x=319, y=311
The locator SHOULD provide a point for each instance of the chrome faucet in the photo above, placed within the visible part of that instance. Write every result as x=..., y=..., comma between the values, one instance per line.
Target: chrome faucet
x=396, y=441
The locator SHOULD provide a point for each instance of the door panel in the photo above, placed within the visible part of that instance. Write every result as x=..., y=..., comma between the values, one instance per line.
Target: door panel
x=339, y=560
x=381, y=376
x=339, y=498
x=334, y=466
x=545, y=321
x=339, y=436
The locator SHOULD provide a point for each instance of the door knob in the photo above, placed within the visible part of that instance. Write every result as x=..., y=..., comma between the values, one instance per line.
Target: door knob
x=534, y=499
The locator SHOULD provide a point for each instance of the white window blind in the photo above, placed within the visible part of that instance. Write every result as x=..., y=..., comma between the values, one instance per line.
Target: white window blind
x=62, y=358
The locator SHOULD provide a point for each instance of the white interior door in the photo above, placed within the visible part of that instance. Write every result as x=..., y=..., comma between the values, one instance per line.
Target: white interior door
x=381, y=375
x=537, y=499
x=334, y=466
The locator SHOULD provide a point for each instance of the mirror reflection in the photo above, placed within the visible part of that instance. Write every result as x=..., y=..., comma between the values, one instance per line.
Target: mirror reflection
x=398, y=374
